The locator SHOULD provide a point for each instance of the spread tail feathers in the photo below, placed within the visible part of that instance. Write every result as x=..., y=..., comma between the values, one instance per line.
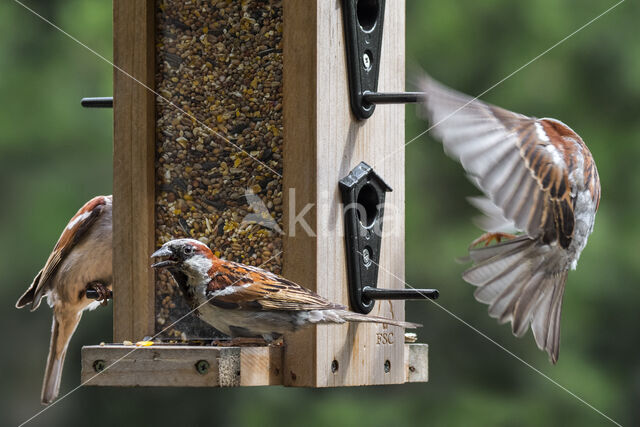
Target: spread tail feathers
x=350, y=316
x=521, y=285
x=61, y=331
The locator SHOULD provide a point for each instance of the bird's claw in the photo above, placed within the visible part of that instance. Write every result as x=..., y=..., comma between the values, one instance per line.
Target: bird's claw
x=488, y=238
x=104, y=293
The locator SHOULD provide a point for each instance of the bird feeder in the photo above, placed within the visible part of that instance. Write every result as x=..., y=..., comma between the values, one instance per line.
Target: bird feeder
x=234, y=124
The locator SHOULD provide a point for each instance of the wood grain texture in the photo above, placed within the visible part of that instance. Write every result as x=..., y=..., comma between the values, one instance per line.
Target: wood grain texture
x=323, y=142
x=416, y=363
x=133, y=180
x=299, y=185
x=175, y=366
x=261, y=366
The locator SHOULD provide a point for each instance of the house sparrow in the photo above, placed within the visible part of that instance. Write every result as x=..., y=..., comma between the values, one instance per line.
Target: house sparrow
x=80, y=260
x=540, y=180
x=244, y=301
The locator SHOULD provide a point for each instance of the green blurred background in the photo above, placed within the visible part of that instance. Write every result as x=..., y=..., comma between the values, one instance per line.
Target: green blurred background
x=54, y=156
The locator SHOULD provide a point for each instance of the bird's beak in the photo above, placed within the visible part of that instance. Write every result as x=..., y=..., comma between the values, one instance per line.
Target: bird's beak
x=163, y=252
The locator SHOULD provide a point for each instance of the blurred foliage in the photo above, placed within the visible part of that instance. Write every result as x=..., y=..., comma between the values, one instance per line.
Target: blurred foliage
x=54, y=156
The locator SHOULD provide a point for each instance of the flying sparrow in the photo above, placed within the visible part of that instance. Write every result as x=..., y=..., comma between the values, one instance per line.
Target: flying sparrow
x=80, y=260
x=244, y=301
x=540, y=180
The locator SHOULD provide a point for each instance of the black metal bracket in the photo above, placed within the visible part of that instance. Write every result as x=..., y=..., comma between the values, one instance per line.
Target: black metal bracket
x=363, y=23
x=102, y=102
x=363, y=193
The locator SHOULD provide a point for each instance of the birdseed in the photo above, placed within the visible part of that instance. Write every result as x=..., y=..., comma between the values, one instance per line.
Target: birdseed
x=221, y=62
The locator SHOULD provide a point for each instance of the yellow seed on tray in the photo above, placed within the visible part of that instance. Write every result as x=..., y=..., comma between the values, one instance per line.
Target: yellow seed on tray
x=127, y=342
x=144, y=343
x=410, y=337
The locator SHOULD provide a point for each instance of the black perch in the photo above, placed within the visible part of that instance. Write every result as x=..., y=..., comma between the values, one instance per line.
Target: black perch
x=99, y=102
x=93, y=294
x=392, y=97
x=390, y=294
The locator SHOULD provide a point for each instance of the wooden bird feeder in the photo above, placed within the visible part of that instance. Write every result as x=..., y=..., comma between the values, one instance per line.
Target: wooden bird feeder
x=243, y=145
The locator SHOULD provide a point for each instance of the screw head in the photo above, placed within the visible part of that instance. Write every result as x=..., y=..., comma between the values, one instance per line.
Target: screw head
x=366, y=61
x=99, y=365
x=366, y=257
x=202, y=367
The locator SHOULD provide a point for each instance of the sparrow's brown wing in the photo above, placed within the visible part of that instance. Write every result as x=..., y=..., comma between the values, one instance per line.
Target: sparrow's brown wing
x=521, y=163
x=72, y=234
x=241, y=286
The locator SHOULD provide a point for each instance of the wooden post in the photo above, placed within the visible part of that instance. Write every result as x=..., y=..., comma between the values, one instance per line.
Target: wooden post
x=322, y=143
x=133, y=165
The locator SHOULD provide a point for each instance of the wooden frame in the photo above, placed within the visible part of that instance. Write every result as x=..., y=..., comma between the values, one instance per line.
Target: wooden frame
x=322, y=143
x=133, y=165
x=177, y=366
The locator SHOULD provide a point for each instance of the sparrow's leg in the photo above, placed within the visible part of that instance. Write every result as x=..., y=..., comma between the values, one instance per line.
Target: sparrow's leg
x=103, y=291
x=487, y=238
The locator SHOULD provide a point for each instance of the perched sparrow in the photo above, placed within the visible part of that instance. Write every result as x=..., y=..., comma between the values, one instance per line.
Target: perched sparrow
x=540, y=180
x=244, y=301
x=80, y=260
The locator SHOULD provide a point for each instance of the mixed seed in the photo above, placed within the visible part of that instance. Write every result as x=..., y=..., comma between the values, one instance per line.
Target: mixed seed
x=220, y=62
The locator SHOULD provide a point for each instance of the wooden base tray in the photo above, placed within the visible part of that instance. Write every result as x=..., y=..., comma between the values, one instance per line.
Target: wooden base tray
x=204, y=366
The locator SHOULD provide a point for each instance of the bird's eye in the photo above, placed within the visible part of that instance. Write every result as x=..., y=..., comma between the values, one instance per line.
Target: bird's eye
x=187, y=250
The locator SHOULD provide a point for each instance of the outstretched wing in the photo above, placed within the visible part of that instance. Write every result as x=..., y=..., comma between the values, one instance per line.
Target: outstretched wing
x=236, y=285
x=521, y=163
x=72, y=234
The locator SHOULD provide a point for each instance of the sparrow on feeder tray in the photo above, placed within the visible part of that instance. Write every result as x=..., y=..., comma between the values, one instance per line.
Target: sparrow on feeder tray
x=243, y=301
x=540, y=181
x=81, y=260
